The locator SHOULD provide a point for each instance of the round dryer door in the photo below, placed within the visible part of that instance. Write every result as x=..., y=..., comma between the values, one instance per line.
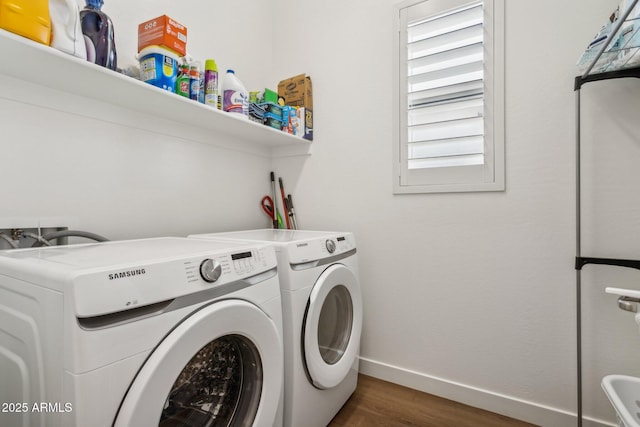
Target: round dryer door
x=222, y=366
x=333, y=323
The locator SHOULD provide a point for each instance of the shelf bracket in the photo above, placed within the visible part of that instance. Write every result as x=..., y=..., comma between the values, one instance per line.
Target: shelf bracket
x=627, y=72
x=629, y=263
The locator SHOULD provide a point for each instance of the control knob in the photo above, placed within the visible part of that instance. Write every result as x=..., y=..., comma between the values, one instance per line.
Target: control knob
x=331, y=246
x=210, y=270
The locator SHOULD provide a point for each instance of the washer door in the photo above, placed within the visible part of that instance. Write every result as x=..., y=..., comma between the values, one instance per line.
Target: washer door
x=333, y=323
x=222, y=366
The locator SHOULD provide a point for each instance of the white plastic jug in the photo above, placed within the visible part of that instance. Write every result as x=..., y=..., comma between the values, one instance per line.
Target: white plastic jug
x=66, y=29
x=235, y=98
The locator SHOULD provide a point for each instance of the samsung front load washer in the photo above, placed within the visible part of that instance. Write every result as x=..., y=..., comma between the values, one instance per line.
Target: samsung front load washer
x=153, y=332
x=322, y=319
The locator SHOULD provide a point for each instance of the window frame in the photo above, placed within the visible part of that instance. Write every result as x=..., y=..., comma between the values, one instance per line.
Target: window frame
x=487, y=177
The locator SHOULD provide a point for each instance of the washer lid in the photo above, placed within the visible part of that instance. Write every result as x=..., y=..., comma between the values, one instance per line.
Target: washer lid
x=107, y=254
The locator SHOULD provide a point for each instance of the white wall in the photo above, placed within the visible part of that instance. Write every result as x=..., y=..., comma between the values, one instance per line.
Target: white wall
x=470, y=296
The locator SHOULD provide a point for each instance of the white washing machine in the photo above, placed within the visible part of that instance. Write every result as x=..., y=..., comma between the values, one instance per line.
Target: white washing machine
x=322, y=319
x=153, y=332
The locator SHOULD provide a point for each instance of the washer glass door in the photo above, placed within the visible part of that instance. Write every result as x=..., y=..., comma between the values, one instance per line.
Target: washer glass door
x=221, y=366
x=222, y=380
x=332, y=326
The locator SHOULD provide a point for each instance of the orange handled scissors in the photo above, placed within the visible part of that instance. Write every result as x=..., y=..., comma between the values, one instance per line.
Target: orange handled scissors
x=269, y=209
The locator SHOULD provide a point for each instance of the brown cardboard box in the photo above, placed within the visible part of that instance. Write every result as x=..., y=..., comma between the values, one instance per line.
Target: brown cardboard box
x=298, y=91
x=163, y=31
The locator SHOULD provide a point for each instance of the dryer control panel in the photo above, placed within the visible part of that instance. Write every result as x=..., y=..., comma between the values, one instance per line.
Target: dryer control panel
x=320, y=248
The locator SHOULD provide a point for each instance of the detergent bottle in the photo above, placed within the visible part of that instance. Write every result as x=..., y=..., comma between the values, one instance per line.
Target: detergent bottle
x=66, y=31
x=98, y=34
x=235, y=98
x=28, y=18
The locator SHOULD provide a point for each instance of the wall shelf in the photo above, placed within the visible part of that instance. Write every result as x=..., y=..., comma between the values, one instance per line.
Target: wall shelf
x=39, y=64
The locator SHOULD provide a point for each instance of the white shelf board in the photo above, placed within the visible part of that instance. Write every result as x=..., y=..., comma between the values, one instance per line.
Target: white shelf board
x=27, y=60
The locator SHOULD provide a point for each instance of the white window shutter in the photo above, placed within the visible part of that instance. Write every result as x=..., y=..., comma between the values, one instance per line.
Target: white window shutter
x=442, y=96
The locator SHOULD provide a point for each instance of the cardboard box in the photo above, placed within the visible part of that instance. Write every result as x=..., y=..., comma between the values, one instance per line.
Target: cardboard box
x=163, y=31
x=298, y=91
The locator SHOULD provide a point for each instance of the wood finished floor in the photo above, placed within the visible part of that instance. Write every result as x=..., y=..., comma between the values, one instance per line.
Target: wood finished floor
x=379, y=403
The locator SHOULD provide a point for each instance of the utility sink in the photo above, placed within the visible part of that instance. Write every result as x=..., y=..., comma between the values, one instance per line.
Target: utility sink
x=623, y=392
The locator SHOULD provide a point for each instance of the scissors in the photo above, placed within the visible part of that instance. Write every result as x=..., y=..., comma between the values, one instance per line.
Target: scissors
x=269, y=208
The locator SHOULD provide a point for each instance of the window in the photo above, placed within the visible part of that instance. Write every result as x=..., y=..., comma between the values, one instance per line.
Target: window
x=449, y=124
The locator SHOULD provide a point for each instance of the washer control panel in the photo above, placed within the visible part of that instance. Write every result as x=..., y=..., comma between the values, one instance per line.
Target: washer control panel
x=245, y=262
x=330, y=245
x=228, y=267
x=108, y=278
x=210, y=270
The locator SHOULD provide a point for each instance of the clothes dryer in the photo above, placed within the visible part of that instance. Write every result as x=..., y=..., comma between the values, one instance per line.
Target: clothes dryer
x=322, y=319
x=153, y=332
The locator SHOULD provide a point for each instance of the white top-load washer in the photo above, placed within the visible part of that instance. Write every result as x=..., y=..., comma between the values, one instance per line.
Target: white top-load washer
x=153, y=332
x=322, y=319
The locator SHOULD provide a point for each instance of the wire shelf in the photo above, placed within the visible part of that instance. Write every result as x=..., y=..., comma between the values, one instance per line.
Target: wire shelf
x=617, y=44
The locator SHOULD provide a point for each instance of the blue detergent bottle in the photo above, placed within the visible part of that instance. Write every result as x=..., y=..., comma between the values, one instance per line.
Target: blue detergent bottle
x=98, y=34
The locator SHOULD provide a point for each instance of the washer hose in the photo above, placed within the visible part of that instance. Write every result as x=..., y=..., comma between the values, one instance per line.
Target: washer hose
x=37, y=238
x=9, y=240
x=70, y=233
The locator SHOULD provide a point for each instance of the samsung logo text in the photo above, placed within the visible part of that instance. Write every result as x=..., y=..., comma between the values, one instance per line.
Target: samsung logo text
x=128, y=273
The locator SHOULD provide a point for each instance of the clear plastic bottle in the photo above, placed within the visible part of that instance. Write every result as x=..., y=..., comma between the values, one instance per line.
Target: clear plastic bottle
x=235, y=98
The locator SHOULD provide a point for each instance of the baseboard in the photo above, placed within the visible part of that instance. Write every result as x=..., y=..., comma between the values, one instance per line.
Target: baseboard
x=501, y=404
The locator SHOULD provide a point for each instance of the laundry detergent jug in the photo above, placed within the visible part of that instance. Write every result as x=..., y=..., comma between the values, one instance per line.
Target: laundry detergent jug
x=98, y=35
x=28, y=18
x=66, y=31
x=235, y=98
